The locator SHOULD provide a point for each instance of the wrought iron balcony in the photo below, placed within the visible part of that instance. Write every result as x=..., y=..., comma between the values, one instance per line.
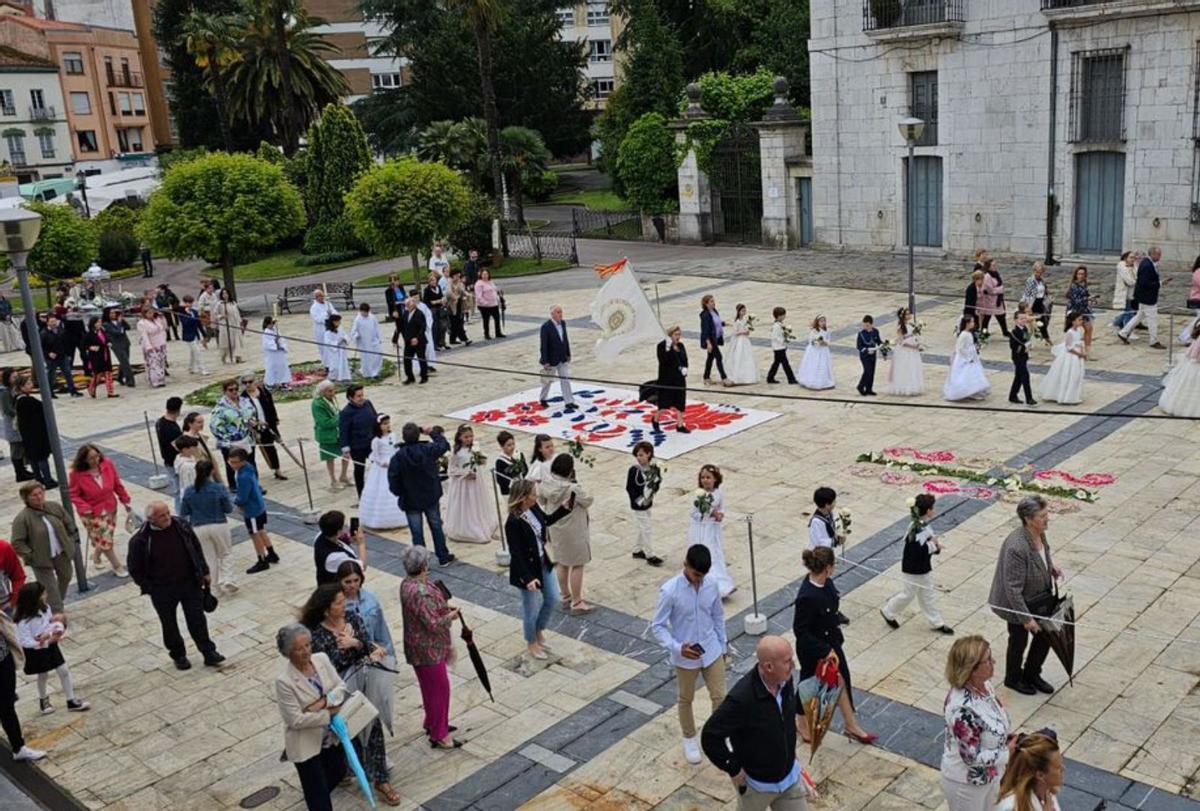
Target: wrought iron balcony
x=42, y=113
x=1088, y=9
x=18, y=159
x=910, y=18
x=124, y=78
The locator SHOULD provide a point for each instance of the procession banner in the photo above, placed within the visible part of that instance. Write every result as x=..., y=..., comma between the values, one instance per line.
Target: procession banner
x=623, y=313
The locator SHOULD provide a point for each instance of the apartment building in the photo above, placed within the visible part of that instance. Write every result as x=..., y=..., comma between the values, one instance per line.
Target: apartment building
x=33, y=119
x=591, y=24
x=102, y=82
x=356, y=38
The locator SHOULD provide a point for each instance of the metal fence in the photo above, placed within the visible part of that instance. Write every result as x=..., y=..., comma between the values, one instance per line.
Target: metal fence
x=884, y=14
x=541, y=245
x=589, y=224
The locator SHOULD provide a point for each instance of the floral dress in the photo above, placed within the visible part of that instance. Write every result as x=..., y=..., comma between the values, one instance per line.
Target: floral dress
x=976, y=748
x=1079, y=301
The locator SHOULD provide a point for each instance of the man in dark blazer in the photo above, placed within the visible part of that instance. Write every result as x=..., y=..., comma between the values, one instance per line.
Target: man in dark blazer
x=414, y=480
x=868, y=342
x=555, y=357
x=1145, y=293
x=58, y=352
x=411, y=327
x=712, y=338
x=394, y=297
x=1018, y=344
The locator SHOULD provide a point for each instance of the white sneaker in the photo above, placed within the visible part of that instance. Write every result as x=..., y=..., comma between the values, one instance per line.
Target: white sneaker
x=691, y=750
x=29, y=754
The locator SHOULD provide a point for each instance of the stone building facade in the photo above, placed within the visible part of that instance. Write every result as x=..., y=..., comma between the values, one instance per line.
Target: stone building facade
x=1064, y=128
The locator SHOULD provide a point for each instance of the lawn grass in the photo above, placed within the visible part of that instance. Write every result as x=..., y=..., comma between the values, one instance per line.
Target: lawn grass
x=595, y=199
x=282, y=265
x=513, y=266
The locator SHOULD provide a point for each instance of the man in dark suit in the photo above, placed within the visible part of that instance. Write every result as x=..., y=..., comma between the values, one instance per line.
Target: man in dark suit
x=712, y=338
x=414, y=481
x=1145, y=293
x=1018, y=344
x=58, y=352
x=555, y=357
x=411, y=327
x=868, y=345
x=394, y=297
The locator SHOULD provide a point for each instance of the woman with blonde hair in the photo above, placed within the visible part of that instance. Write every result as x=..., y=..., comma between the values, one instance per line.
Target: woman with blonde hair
x=977, y=736
x=1035, y=774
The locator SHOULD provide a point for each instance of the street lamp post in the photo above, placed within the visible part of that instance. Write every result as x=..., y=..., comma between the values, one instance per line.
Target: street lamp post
x=910, y=131
x=19, y=228
x=81, y=176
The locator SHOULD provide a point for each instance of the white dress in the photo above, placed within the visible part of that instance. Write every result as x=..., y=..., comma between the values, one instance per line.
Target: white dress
x=906, y=376
x=275, y=358
x=739, y=360
x=378, y=508
x=1063, y=384
x=1181, y=392
x=337, y=354
x=966, y=380
x=470, y=506
x=430, y=351
x=705, y=530
x=365, y=335
x=319, y=313
x=815, y=370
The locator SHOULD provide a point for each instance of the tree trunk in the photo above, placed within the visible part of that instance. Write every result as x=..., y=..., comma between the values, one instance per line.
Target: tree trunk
x=289, y=135
x=518, y=198
x=221, y=100
x=416, y=263
x=227, y=274
x=483, y=46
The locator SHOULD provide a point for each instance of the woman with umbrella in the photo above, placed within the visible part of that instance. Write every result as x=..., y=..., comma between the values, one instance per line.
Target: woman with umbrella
x=301, y=689
x=345, y=640
x=427, y=644
x=815, y=624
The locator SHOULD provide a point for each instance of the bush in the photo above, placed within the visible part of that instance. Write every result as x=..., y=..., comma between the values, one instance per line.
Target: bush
x=646, y=165
x=117, y=250
x=169, y=160
x=476, y=230
x=538, y=186
x=336, y=236
x=327, y=258
x=118, y=217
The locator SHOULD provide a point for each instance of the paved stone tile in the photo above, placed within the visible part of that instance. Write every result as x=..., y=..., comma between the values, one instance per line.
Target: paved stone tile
x=551, y=760
x=642, y=705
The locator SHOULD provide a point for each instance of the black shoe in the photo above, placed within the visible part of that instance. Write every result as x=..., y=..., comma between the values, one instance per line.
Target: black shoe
x=543, y=403
x=447, y=561
x=570, y=407
x=1020, y=687
x=501, y=335
x=654, y=560
x=842, y=619
x=1155, y=345
x=424, y=380
x=861, y=392
x=769, y=380
x=640, y=555
x=261, y=566
x=1040, y=684
x=213, y=660
x=410, y=381
x=467, y=343
x=654, y=426
x=271, y=556
x=1015, y=401
x=78, y=394
x=1031, y=402
x=945, y=629
x=680, y=429
x=51, y=485
x=872, y=394
x=1124, y=340
x=891, y=622
x=182, y=663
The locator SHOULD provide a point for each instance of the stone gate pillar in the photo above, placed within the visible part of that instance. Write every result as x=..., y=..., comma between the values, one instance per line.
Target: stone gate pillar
x=781, y=137
x=695, y=194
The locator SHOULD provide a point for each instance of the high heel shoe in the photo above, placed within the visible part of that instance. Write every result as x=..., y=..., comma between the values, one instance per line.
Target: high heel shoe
x=866, y=740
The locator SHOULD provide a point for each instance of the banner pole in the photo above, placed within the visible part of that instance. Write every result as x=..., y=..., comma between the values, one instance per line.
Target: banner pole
x=754, y=624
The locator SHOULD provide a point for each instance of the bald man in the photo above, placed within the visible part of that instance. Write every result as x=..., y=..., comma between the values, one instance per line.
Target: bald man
x=555, y=357
x=752, y=735
x=167, y=563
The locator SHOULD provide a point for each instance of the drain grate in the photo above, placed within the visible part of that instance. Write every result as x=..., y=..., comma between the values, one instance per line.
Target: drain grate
x=263, y=795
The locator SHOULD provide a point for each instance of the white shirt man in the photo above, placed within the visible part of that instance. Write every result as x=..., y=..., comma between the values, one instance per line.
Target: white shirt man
x=438, y=263
x=319, y=312
x=690, y=623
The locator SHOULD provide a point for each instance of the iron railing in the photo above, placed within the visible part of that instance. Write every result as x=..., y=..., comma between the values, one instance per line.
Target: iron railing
x=1050, y=5
x=542, y=245
x=1097, y=97
x=18, y=159
x=589, y=224
x=123, y=78
x=42, y=113
x=884, y=14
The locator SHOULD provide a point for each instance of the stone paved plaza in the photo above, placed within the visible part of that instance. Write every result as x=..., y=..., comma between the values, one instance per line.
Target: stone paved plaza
x=595, y=727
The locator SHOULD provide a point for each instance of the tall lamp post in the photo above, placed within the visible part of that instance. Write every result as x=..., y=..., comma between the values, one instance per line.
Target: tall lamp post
x=81, y=176
x=910, y=131
x=19, y=228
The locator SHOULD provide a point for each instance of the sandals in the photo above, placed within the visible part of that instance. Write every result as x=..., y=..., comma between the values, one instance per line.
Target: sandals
x=448, y=743
x=390, y=795
x=580, y=608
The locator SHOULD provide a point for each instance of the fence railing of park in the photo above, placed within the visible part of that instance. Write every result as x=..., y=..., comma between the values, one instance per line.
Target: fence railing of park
x=589, y=224
x=542, y=244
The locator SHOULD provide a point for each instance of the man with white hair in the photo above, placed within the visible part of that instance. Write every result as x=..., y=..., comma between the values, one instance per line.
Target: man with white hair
x=319, y=312
x=555, y=357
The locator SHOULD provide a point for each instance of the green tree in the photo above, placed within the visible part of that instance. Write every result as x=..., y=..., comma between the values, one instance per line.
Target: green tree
x=283, y=79
x=270, y=153
x=461, y=145
x=116, y=250
x=522, y=153
x=400, y=207
x=118, y=217
x=169, y=160
x=646, y=165
x=337, y=155
x=221, y=207
x=389, y=120
x=212, y=42
x=68, y=242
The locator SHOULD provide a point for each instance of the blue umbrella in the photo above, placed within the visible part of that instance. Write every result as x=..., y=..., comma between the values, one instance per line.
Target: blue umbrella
x=338, y=725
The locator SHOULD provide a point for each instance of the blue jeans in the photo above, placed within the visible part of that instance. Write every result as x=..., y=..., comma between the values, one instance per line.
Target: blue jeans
x=435, y=528
x=62, y=364
x=1121, y=320
x=534, y=618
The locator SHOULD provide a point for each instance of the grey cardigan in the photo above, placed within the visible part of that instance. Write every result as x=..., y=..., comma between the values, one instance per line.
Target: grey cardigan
x=32, y=541
x=1021, y=575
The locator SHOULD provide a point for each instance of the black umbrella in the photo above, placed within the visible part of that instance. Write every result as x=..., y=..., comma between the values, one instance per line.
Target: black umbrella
x=1059, y=628
x=468, y=636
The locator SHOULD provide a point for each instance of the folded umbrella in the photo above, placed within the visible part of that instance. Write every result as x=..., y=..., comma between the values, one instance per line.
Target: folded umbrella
x=818, y=694
x=468, y=636
x=338, y=725
x=1059, y=628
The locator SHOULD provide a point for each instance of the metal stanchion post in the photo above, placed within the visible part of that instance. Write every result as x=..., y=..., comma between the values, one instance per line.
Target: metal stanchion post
x=755, y=624
x=159, y=481
x=310, y=517
x=1171, y=341
x=502, y=556
x=657, y=304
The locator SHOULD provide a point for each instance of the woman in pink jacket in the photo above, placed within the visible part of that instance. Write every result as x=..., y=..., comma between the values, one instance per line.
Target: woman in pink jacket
x=153, y=331
x=991, y=298
x=95, y=489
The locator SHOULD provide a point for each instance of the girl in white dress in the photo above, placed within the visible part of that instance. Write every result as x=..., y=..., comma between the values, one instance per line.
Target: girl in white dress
x=1064, y=382
x=967, y=380
x=906, y=376
x=378, y=508
x=816, y=367
x=1181, y=392
x=430, y=350
x=470, y=508
x=337, y=349
x=275, y=355
x=739, y=359
x=706, y=528
x=365, y=335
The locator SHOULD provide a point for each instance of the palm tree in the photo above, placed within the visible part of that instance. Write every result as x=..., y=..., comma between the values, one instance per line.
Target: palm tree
x=521, y=150
x=283, y=77
x=461, y=145
x=211, y=40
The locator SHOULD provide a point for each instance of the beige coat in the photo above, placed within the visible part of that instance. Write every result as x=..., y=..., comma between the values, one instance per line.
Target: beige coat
x=570, y=539
x=304, y=731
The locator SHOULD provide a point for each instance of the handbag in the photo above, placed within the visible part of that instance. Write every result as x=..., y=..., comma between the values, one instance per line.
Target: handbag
x=208, y=601
x=357, y=712
x=133, y=521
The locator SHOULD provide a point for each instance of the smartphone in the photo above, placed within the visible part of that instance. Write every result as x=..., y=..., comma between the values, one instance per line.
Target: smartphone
x=698, y=648
x=353, y=526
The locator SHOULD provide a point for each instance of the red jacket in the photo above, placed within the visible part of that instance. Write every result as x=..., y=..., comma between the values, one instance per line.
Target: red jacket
x=90, y=497
x=12, y=570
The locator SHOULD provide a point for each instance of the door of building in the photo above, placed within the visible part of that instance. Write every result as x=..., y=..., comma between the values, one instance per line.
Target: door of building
x=804, y=184
x=1099, y=202
x=927, y=200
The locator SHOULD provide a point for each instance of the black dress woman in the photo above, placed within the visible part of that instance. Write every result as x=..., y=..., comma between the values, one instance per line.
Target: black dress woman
x=671, y=384
x=815, y=625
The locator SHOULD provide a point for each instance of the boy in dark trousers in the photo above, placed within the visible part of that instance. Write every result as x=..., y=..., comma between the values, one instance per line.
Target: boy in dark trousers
x=254, y=509
x=1018, y=344
x=920, y=545
x=868, y=348
x=780, y=335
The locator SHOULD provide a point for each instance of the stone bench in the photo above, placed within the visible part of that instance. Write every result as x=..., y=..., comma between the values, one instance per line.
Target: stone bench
x=302, y=293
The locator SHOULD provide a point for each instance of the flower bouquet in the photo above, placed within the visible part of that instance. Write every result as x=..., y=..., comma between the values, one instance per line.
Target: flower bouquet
x=702, y=500
x=652, y=484
x=884, y=349
x=917, y=327
x=788, y=335
x=842, y=521
x=575, y=447
x=476, y=461
x=750, y=323
x=981, y=339
x=443, y=464
x=520, y=467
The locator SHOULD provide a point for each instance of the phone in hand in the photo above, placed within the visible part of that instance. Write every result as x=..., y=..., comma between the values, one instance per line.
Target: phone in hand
x=353, y=526
x=698, y=648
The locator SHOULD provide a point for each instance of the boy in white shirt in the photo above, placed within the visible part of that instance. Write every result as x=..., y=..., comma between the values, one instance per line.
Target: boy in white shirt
x=779, y=341
x=920, y=545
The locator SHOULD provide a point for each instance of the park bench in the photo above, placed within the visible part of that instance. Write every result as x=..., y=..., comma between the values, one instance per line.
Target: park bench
x=302, y=294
